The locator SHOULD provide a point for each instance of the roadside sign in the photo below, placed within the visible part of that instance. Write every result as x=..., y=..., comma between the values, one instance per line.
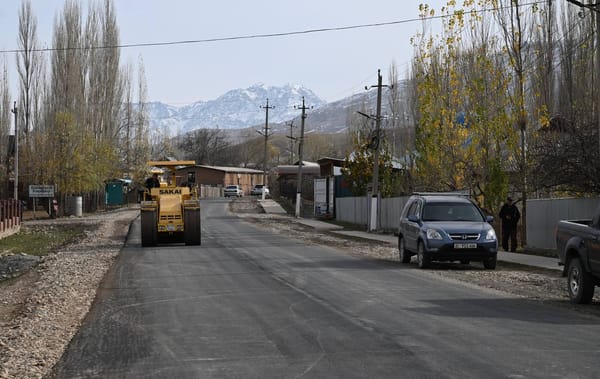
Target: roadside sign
x=36, y=190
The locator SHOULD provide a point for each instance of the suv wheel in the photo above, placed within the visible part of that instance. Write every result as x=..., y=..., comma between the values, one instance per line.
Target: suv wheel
x=490, y=263
x=404, y=254
x=423, y=259
x=579, y=282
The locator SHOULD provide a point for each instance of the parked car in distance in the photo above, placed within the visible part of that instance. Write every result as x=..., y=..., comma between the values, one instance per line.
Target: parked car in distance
x=444, y=227
x=578, y=246
x=258, y=190
x=233, y=191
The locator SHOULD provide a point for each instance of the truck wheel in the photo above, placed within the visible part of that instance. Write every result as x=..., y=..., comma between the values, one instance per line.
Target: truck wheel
x=191, y=224
x=423, y=259
x=149, y=225
x=490, y=263
x=404, y=254
x=580, y=283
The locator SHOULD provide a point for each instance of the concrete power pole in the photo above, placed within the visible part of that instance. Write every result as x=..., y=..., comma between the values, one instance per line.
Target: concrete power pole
x=300, y=147
x=292, y=140
x=266, y=135
x=16, y=189
x=374, y=215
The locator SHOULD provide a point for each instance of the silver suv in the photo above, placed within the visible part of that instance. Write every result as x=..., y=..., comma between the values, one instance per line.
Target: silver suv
x=258, y=190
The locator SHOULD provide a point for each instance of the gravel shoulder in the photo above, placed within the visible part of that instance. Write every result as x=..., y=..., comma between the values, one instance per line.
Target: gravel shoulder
x=41, y=310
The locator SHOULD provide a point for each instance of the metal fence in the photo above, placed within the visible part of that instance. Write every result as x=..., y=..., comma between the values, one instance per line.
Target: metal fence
x=542, y=215
x=355, y=210
x=210, y=191
x=11, y=213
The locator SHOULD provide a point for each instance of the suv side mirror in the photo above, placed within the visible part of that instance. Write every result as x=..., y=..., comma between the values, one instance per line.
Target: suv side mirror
x=489, y=219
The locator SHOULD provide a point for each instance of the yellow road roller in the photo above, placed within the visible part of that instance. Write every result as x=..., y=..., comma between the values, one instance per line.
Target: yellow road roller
x=170, y=213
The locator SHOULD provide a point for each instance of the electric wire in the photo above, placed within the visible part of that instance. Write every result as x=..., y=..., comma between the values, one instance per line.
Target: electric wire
x=265, y=35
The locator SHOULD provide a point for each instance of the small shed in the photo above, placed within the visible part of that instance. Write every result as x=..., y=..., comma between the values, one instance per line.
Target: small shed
x=287, y=176
x=331, y=166
x=115, y=192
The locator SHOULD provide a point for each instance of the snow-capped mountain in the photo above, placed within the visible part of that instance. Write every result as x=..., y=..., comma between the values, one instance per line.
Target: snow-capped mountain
x=236, y=109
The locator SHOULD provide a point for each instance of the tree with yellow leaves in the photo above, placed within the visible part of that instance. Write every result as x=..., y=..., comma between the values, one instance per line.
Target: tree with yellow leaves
x=464, y=132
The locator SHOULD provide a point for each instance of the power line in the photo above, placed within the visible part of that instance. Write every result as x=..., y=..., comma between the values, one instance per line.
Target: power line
x=265, y=35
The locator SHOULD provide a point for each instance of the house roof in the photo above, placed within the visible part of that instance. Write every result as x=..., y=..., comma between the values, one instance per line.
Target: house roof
x=305, y=164
x=335, y=161
x=293, y=169
x=237, y=170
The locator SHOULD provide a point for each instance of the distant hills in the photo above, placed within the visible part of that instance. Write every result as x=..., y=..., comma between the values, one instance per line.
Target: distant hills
x=241, y=109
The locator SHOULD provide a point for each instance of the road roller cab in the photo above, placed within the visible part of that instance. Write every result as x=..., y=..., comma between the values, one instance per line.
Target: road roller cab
x=170, y=213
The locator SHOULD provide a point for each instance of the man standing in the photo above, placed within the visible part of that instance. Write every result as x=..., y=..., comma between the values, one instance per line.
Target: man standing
x=152, y=182
x=509, y=213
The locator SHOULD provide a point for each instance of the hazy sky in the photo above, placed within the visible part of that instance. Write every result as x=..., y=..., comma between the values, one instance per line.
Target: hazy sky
x=334, y=64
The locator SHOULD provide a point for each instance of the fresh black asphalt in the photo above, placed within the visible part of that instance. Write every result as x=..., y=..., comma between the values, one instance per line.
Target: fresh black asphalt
x=248, y=303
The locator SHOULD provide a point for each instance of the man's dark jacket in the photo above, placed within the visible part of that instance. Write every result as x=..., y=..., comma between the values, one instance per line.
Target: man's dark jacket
x=510, y=215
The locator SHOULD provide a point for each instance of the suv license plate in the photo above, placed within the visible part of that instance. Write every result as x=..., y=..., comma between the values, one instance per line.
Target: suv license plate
x=465, y=246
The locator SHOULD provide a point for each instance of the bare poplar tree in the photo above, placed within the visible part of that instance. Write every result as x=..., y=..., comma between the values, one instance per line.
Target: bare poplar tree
x=104, y=83
x=136, y=126
x=142, y=124
x=394, y=106
x=127, y=117
x=5, y=122
x=569, y=141
x=576, y=83
x=516, y=31
x=545, y=54
x=29, y=64
x=68, y=69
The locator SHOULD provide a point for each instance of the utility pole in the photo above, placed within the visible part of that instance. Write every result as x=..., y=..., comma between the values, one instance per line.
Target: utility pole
x=16, y=160
x=300, y=146
x=374, y=215
x=292, y=140
x=266, y=134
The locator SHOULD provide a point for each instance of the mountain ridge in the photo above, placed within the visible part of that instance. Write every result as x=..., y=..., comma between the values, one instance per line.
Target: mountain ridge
x=240, y=109
x=236, y=109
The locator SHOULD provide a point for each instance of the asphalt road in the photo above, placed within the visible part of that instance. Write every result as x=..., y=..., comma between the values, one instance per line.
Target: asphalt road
x=251, y=304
